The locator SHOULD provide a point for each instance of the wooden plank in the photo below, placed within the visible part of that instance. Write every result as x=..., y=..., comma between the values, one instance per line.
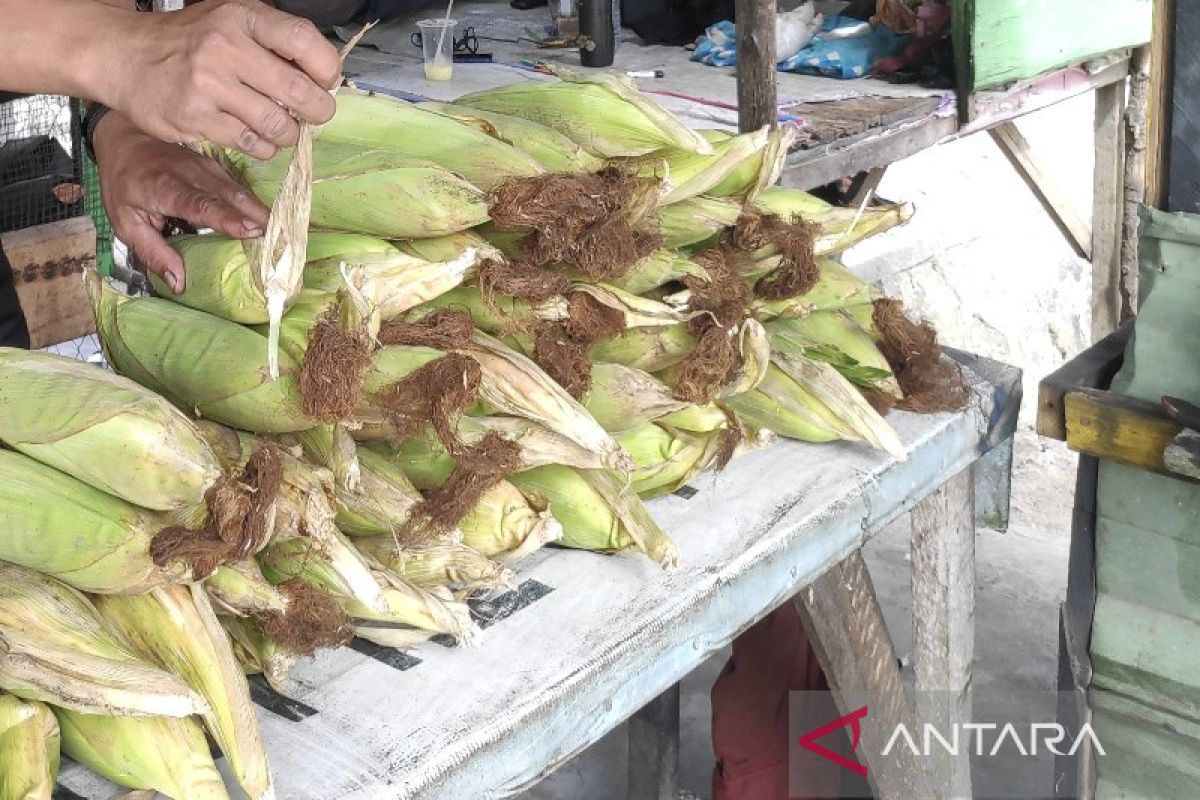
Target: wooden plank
x=1018, y=152
x=864, y=186
x=943, y=584
x=1094, y=368
x=48, y=262
x=808, y=169
x=756, y=67
x=1158, y=103
x=846, y=628
x=1107, y=209
x=1119, y=428
x=654, y=749
x=1134, y=178
x=1016, y=39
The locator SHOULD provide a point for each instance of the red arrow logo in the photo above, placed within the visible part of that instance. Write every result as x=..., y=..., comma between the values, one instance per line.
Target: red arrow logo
x=852, y=720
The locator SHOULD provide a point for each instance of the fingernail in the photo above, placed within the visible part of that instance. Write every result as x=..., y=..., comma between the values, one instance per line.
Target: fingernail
x=175, y=283
x=252, y=228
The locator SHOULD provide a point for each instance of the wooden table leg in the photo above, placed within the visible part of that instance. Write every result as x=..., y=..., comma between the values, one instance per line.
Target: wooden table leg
x=654, y=749
x=943, y=580
x=846, y=628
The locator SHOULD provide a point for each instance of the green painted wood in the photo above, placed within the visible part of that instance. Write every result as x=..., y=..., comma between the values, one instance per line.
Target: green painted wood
x=1148, y=568
x=1148, y=752
x=1008, y=40
x=1146, y=654
x=1152, y=502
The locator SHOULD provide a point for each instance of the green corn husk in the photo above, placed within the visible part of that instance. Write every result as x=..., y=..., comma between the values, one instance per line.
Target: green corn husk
x=840, y=396
x=437, y=564
x=64, y=528
x=685, y=174
x=514, y=385
x=162, y=754
x=696, y=220
x=354, y=306
x=555, y=152
x=403, y=604
x=499, y=315
x=658, y=269
x=241, y=589
x=622, y=398
x=667, y=460
x=202, y=363
x=176, y=628
x=834, y=337
x=383, y=504
x=636, y=311
x=55, y=648
x=752, y=176
x=104, y=430
x=840, y=228
x=333, y=448
x=376, y=191
x=603, y=112
x=695, y=419
x=506, y=526
x=375, y=121
x=223, y=281
x=400, y=281
x=781, y=405
x=597, y=512
x=649, y=349
x=449, y=248
x=29, y=749
x=837, y=288
x=324, y=245
x=259, y=654
x=755, y=349
x=424, y=459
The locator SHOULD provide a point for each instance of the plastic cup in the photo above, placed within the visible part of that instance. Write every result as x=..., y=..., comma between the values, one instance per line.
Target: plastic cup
x=437, y=45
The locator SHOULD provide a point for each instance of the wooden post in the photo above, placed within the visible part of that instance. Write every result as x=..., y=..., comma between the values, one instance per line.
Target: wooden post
x=846, y=628
x=1134, y=180
x=756, y=67
x=1108, y=205
x=1158, y=103
x=654, y=749
x=943, y=579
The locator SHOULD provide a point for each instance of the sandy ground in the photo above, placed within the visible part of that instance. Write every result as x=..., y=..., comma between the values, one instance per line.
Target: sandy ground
x=981, y=261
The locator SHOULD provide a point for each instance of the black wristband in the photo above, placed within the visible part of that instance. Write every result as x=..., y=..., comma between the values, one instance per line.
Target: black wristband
x=91, y=119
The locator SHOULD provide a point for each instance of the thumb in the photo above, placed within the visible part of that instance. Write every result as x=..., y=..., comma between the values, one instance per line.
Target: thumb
x=153, y=250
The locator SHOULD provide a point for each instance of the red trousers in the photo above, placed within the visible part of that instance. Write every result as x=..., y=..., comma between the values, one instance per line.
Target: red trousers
x=750, y=714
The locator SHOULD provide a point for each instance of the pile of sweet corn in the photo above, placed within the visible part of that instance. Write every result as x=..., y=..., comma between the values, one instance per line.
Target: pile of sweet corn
x=516, y=317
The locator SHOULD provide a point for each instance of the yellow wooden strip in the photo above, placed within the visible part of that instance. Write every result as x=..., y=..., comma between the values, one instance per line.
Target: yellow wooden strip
x=1118, y=428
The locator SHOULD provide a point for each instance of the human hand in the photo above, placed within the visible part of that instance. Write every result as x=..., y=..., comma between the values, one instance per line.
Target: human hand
x=143, y=181
x=225, y=71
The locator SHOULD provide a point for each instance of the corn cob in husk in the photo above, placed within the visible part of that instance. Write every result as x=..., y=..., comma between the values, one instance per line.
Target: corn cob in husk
x=835, y=337
x=841, y=228
x=752, y=176
x=685, y=174
x=597, y=512
x=374, y=121
x=259, y=654
x=781, y=405
x=605, y=113
x=449, y=248
x=55, y=648
x=649, y=349
x=507, y=526
x=403, y=603
x=67, y=529
x=202, y=363
x=555, y=152
x=400, y=281
x=431, y=565
x=668, y=459
x=696, y=220
x=836, y=288
x=658, y=269
x=376, y=191
x=162, y=754
x=176, y=628
x=29, y=749
x=622, y=398
x=384, y=502
x=104, y=430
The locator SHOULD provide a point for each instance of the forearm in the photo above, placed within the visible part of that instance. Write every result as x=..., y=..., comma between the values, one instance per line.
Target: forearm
x=62, y=46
